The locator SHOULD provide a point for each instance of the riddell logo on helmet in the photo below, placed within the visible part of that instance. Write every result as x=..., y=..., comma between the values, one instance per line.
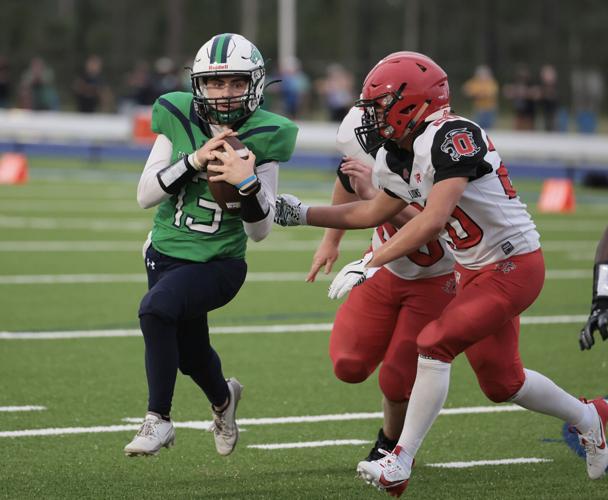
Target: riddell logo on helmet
x=215, y=67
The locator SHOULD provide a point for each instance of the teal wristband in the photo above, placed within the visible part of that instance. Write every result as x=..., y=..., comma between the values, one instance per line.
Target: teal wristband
x=246, y=181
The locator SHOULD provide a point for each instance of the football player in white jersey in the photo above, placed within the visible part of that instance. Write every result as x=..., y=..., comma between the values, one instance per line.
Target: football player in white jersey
x=379, y=321
x=447, y=165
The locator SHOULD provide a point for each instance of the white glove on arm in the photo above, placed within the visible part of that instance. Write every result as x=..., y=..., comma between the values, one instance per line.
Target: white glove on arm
x=351, y=275
x=290, y=211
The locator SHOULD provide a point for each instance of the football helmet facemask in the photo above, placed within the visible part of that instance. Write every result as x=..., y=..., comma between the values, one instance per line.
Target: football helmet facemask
x=225, y=55
x=399, y=94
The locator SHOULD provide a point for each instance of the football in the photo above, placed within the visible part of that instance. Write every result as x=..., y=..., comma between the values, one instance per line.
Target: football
x=226, y=195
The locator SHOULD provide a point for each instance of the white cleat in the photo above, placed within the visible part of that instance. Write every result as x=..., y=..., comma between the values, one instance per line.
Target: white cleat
x=153, y=434
x=224, y=428
x=594, y=441
x=390, y=473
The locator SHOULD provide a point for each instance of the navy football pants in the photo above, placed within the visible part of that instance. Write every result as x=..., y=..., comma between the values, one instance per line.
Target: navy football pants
x=173, y=319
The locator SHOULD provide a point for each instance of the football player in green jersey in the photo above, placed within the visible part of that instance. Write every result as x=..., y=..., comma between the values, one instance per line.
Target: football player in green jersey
x=195, y=252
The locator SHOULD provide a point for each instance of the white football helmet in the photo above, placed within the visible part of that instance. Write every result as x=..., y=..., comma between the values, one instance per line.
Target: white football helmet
x=227, y=54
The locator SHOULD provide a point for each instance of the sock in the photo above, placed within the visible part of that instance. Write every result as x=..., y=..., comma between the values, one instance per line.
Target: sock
x=428, y=396
x=382, y=437
x=542, y=395
x=223, y=406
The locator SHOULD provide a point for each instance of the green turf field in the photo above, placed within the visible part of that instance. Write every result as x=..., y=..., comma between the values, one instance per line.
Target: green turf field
x=70, y=262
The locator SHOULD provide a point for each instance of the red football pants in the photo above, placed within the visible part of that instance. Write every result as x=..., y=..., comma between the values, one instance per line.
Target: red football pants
x=483, y=322
x=379, y=322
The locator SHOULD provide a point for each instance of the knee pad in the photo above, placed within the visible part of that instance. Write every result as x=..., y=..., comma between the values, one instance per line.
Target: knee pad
x=161, y=303
x=396, y=382
x=432, y=342
x=351, y=370
x=499, y=391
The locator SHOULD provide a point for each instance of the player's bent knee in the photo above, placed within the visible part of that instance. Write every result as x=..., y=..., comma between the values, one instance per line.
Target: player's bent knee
x=395, y=384
x=498, y=392
x=187, y=367
x=435, y=349
x=162, y=304
x=351, y=370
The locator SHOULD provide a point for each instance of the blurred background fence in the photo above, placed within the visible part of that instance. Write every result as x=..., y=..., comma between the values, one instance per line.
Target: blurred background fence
x=77, y=77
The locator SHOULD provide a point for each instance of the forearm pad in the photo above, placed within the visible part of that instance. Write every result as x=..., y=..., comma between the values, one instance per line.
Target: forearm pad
x=254, y=205
x=173, y=177
x=600, y=285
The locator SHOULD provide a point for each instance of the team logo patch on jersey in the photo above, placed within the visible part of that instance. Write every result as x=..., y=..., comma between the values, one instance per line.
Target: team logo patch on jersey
x=506, y=266
x=458, y=143
x=449, y=286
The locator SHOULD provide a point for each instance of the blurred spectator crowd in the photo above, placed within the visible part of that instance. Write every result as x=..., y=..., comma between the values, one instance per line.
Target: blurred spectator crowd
x=535, y=100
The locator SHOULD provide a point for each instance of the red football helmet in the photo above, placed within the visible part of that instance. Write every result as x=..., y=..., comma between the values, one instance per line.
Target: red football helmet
x=399, y=93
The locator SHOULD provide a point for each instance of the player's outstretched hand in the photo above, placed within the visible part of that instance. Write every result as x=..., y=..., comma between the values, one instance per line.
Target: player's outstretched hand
x=351, y=275
x=290, y=211
x=598, y=320
x=327, y=253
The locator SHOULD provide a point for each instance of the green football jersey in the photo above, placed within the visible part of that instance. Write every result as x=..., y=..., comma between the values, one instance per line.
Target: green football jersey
x=191, y=225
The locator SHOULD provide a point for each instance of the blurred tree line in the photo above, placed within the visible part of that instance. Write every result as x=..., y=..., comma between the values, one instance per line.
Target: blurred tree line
x=356, y=33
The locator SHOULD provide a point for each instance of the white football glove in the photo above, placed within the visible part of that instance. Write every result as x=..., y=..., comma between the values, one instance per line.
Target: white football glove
x=290, y=211
x=351, y=275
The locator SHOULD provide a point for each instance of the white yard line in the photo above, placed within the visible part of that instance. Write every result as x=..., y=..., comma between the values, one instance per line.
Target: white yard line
x=135, y=246
x=69, y=279
x=308, y=444
x=21, y=408
x=202, y=425
x=272, y=245
x=255, y=277
x=477, y=463
x=252, y=329
x=446, y=465
x=91, y=224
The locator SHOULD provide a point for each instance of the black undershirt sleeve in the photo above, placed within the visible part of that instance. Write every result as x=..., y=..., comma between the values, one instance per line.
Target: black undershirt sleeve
x=344, y=180
x=173, y=177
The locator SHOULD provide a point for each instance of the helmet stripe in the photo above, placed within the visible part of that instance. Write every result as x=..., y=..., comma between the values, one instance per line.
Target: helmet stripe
x=224, y=48
x=219, y=48
x=212, y=58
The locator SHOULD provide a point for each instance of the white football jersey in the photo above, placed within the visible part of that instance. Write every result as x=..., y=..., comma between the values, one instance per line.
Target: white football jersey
x=490, y=222
x=433, y=259
x=429, y=261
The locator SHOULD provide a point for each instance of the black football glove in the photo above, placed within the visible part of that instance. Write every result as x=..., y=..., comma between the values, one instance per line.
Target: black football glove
x=598, y=320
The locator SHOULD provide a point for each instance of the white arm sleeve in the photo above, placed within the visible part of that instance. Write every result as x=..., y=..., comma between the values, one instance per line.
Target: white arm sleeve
x=268, y=173
x=149, y=192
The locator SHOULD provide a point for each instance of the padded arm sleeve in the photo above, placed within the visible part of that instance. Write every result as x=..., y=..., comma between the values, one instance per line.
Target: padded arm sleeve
x=149, y=191
x=257, y=209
